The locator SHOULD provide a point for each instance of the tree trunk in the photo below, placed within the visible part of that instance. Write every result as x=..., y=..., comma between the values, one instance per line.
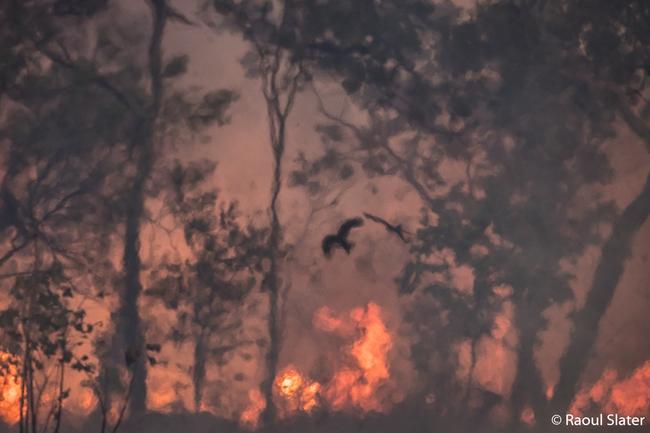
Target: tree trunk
x=131, y=331
x=606, y=279
x=132, y=335
x=527, y=389
x=198, y=375
x=273, y=284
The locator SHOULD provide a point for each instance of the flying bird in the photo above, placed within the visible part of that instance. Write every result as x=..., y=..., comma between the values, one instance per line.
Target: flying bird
x=395, y=229
x=340, y=239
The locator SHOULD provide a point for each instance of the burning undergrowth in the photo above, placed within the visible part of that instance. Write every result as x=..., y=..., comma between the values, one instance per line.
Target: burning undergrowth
x=625, y=396
x=359, y=382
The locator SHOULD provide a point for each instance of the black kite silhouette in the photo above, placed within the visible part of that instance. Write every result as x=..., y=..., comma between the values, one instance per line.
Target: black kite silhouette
x=340, y=239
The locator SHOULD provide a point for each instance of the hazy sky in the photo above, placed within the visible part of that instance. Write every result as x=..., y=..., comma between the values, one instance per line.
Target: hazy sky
x=241, y=149
x=244, y=173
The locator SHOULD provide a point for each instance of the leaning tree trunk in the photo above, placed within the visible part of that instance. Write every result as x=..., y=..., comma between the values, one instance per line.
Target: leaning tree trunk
x=130, y=322
x=607, y=276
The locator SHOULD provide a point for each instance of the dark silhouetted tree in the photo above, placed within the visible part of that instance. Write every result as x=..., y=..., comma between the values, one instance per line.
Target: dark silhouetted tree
x=208, y=290
x=281, y=76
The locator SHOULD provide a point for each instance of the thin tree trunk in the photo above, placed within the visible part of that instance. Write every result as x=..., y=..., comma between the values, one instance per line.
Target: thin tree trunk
x=125, y=403
x=527, y=389
x=131, y=331
x=275, y=84
x=59, y=409
x=198, y=375
x=606, y=279
x=130, y=317
x=23, y=393
x=31, y=396
x=273, y=284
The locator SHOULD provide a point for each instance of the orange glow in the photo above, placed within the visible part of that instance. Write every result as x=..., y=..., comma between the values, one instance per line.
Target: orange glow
x=87, y=401
x=338, y=390
x=161, y=399
x=256, y=403
x=371, y=350
x=528, y=416
x=289, y=382
x=550, y=390
x=357, y=387
x=352, y=386
x=325, y=319
x=296, y=391
x=309, y=397
x=632, y=396
x=629, y=396
x=9, y=393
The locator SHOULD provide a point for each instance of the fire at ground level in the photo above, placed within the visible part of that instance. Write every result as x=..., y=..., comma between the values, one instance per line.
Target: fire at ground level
x=358, y=396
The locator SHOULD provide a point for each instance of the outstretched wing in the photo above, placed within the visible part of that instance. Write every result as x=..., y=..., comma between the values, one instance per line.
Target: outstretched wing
x=400, y=234
x=327, y=244
x=378, y=220
x=348, y=225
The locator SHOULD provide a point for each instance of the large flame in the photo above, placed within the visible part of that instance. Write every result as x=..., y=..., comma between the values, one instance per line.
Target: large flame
x=356, y=386
x=352, y=386
x=629, y=396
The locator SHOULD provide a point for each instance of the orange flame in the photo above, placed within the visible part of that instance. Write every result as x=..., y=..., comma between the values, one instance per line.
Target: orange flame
x=256, y=404
x=629, y=396
x=550, y=390
x=297, y=392
x=357, y=387
x=309, y=396
x=10, y=388
x=289, y=382
x=352, y=386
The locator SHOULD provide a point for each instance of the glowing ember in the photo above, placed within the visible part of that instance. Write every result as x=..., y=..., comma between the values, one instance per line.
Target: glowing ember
x=289, y=382
x=528, y=416
x=550, y=390
x=256, y=404
x=297, y=392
